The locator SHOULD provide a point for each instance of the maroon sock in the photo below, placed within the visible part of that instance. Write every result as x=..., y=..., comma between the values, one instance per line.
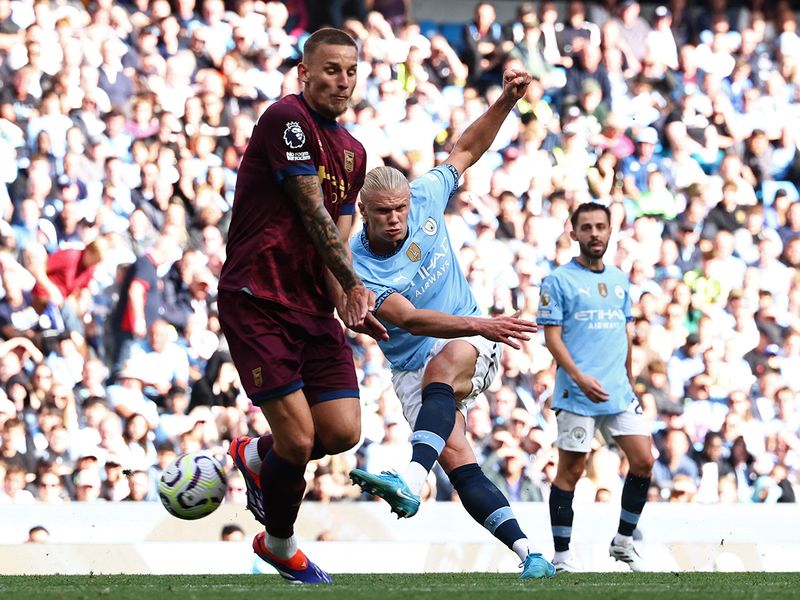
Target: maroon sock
x=265, y=445
x=284, y=486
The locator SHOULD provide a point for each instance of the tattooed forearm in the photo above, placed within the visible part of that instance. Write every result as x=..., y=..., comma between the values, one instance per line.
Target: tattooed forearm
x=306, y=193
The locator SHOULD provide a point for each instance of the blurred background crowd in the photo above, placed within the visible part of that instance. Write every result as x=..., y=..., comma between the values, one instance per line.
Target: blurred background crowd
x=121, y=128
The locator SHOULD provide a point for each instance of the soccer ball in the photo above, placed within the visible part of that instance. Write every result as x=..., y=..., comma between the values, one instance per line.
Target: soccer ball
x=193, y=486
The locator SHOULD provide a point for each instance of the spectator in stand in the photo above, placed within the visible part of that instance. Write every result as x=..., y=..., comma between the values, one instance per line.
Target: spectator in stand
x=486, y=47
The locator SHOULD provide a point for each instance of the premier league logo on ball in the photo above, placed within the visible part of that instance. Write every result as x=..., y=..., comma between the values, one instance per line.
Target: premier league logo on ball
x=293, y=135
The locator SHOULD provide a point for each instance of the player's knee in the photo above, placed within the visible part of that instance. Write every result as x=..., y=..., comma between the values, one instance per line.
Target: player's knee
x=295, y=448
x=642, y=466
x=572, y=473
x=340, y=440
x=438, y=372
x=452, y=458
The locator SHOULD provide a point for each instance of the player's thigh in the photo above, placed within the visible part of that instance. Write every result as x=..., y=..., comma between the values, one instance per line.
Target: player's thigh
x=408, y=387
x=263, y=344
x=330, y=385
x=467, y=364
x=632, y=433
x=457, y=451
x=292, y=426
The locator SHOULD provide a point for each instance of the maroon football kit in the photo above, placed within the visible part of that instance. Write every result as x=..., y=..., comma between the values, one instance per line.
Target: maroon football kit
x=273, y=303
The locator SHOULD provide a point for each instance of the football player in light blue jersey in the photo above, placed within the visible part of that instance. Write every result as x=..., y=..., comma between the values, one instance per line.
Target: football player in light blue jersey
x=443, y=353
x=585, y=308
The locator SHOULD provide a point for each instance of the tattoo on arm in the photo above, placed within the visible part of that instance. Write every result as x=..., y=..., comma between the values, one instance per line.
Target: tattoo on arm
x=306, y=193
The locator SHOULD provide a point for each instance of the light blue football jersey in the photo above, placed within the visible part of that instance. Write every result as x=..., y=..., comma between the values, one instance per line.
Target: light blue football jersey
x=424, y=269
x=592, y=309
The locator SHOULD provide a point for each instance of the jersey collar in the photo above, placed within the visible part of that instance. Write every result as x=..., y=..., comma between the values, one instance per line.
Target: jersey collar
x=321, y=120
x=365, y=243
x=580, y=266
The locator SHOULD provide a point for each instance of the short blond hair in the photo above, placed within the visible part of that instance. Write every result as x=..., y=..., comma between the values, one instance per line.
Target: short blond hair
x=382, y=179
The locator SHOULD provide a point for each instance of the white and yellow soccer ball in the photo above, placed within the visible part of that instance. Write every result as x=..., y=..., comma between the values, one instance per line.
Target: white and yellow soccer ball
x=193, y=486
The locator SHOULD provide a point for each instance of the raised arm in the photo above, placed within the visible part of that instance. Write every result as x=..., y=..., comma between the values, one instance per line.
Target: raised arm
x=398, y=311
x=306, y=193
x=477, y=138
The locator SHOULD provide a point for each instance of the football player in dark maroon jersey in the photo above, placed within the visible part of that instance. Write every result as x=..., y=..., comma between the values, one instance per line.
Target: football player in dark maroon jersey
x=288, y=266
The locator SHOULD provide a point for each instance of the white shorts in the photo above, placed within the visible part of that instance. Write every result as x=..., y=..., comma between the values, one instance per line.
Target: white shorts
x=576, y=432
x=408, y=384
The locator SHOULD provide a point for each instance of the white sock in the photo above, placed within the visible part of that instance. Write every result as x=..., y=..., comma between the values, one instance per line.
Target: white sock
x=251, y=456
x=522, y=547
x=415, y=476
x=281, y=547
x=622, y=540
x=562, y=556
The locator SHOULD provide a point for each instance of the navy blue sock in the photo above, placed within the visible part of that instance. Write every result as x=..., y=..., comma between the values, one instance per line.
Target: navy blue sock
x=284, y=486
x=634, y=497
x=485, y=503
x=561, y=515
x=435, y=422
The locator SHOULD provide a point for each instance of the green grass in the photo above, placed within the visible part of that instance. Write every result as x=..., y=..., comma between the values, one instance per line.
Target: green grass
x=444, y=586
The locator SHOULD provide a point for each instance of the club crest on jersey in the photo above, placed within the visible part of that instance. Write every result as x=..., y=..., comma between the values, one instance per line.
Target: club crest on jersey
x=349, y=161
x=430, y=227
x=619, y=292
x=414, y=252
x=293, y=135
x=601, y=287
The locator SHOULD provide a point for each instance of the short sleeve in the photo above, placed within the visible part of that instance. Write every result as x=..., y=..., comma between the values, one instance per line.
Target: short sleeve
x=381, y=291
x=551, y=303
x=286, y=138
x=436, y=187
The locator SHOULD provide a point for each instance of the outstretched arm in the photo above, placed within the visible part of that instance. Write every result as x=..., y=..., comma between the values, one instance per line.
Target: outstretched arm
x=306, y=193
x=477, y=138
x=398, y=311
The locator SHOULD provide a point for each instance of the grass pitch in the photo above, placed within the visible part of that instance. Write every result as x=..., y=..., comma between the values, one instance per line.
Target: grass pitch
x=442, y=586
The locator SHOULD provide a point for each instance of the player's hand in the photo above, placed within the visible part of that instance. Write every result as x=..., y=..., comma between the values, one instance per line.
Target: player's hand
x=507, y=329
x=592, y=388
x=373, y=328
x=515, y=83
x=358, y=301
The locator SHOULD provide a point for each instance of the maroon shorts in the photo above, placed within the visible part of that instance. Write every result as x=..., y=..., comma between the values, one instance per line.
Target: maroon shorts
x=278, y=350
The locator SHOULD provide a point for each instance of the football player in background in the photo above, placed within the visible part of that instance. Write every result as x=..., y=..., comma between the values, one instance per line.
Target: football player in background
x=585, y=308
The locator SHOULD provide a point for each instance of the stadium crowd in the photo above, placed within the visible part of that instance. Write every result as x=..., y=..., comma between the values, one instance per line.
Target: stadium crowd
x=121, y=128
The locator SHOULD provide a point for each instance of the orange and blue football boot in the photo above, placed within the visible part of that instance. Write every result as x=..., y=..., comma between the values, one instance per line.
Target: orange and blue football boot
x=296, y=570
x=252, y=480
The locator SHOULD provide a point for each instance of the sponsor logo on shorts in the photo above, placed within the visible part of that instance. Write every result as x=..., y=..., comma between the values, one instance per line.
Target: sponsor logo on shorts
x=298, y=156
x=258, y=380
x=578, y=434
x=349, y=161
x=293, y=135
